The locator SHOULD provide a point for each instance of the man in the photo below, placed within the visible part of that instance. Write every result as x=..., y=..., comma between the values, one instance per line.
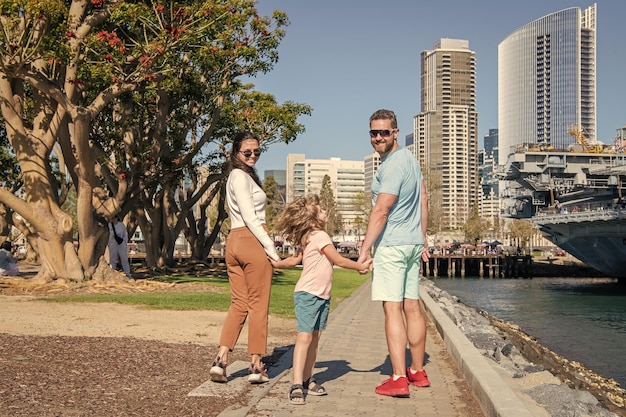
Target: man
x=397, y=233
x=118, y=241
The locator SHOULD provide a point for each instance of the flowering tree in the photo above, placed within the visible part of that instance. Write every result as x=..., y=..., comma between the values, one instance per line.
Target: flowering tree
x=112, y=90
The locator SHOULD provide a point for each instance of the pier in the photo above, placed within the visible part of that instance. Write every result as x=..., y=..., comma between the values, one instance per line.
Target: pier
x=484, y=265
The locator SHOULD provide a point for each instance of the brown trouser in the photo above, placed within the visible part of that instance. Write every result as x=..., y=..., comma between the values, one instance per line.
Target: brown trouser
x=250, y=276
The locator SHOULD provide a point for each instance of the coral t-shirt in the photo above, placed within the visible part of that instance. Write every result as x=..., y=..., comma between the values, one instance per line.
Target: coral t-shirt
x=317, y=270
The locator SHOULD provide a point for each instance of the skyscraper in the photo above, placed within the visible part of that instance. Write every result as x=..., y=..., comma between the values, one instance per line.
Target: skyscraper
x=547, y=81
x=446, y=130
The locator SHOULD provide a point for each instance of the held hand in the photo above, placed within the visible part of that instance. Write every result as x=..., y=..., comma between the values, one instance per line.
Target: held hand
x=425, y=254
x=367, y=267
x=364, y=256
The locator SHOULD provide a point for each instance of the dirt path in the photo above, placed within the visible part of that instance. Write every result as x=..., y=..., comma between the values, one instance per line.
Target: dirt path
x=25, y=315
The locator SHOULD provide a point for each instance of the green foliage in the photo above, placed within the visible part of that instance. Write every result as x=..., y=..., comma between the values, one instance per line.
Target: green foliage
x=521, y=230
x=475, y=226
x=274, y=204
x=8, y=164
x=328, y=203
x=217, y=296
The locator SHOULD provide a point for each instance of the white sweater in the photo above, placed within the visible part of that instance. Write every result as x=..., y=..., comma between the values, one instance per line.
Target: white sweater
x=246, y=201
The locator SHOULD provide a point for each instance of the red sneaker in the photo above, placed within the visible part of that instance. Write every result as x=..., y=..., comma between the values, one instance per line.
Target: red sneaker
x=419, y=378
x=398, y=388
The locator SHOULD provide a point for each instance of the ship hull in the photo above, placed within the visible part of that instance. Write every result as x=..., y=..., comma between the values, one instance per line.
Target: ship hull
x=596, y=238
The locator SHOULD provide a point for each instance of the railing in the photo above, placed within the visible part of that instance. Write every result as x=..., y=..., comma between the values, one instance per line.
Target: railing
x=585, y=213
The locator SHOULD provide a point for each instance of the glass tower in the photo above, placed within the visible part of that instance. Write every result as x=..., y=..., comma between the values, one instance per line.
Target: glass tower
x=547, y=82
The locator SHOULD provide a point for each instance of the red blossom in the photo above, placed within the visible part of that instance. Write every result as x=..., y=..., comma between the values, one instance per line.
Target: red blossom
x=69, y=34
x=159, y=9
x=151, y=77
x=98, y=3
x=145, y=61
x=174, y=32
x=111, y=38
x=180, y=13
x=108, y=57
x=122, y=176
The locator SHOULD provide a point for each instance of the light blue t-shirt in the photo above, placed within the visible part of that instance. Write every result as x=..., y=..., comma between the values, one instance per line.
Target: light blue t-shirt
x=400, y=174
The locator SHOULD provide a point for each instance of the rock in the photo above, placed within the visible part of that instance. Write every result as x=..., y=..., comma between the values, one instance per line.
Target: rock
x=548, y=377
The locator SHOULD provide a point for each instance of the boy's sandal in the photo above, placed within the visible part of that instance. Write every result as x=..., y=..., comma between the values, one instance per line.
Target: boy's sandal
x=313, y=388
x=297, y=398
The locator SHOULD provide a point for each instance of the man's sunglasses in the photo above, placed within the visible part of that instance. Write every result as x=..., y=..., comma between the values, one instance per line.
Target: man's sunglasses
x=384, y=133
x=248, y=154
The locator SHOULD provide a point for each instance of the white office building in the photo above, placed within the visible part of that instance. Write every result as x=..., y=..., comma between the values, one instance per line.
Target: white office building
x=304, y=176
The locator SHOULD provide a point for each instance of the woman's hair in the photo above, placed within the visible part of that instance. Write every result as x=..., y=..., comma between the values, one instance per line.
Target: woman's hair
x=234, y=160
x=6, y=245
x=299, y=219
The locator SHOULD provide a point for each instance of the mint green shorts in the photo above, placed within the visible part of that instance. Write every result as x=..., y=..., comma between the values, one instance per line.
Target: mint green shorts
x=396, y=272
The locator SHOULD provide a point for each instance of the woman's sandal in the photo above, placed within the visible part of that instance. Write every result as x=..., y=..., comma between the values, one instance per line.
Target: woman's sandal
x=218, y=371
x=313, y=388
x=293, y=396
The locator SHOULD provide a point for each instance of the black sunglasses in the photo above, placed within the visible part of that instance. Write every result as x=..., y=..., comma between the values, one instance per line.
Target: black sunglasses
x=248, y=154
x=384, y=133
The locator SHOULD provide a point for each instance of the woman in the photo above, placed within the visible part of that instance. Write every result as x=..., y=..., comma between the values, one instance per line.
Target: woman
x=8, y=264
x=248, y=247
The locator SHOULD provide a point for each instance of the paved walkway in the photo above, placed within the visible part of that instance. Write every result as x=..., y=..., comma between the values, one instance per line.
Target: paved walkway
x=352, y=360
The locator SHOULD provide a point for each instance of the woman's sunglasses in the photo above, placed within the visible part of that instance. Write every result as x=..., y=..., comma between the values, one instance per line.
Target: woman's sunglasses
x=248, y=154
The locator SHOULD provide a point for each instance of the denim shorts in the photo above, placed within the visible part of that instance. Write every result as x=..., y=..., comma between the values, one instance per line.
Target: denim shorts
x=396, y=272
x=311, y=312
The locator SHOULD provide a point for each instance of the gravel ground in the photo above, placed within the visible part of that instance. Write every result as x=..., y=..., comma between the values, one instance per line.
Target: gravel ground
x=104, y=359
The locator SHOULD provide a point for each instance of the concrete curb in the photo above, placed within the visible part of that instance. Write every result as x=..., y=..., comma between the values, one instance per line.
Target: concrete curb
x=493, y=394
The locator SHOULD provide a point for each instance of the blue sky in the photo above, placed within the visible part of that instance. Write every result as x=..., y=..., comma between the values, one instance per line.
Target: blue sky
x=347, y=59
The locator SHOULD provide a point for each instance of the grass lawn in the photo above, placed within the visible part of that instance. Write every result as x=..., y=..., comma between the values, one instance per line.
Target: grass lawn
x=217, y=295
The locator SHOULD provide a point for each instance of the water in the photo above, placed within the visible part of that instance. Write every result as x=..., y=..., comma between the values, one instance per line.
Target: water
x=582, y=319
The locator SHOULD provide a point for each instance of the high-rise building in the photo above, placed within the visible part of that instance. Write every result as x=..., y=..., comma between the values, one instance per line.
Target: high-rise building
x=305, y=176
x=371, y=163
x=446, y=130
x=547, y=82
x=490, y=141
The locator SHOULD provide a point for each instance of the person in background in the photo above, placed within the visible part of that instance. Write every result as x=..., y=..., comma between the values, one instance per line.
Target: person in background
x=8, y=263
x=248, y=247
x=397, y=233
x=303, y=223
x=118, y=245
